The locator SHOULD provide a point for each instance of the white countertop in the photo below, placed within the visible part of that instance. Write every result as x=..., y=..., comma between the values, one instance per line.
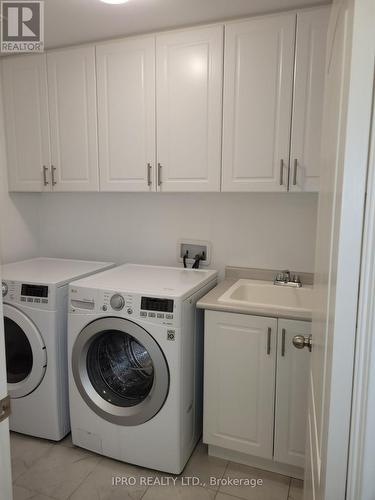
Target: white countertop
x=293, y=307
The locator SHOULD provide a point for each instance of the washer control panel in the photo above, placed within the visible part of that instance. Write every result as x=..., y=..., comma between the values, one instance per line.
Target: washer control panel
x=32, y=295
x=158, y=310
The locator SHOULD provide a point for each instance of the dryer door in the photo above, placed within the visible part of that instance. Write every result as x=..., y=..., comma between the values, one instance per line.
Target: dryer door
x=25, y=352
x=120, y=371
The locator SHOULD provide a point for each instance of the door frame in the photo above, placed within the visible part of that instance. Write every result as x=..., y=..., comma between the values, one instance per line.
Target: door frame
x=347, y=230
x=360, y=483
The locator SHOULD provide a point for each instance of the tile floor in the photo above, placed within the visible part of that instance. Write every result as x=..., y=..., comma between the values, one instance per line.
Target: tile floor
x=43, y=470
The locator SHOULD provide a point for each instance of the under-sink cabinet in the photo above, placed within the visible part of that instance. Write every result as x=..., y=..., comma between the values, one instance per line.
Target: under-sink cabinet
x=255, y=388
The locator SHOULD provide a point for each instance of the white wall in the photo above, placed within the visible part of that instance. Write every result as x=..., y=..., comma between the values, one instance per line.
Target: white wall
x=256, y=229
x=19, y=215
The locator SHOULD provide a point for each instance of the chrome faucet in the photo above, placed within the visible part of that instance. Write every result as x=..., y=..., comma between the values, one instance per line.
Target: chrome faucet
x=284, y=278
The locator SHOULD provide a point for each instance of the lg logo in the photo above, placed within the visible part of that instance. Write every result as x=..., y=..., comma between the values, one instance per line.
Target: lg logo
x=22, y=26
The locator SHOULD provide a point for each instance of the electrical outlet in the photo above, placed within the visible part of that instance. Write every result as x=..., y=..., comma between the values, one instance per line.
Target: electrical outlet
x=194, y=247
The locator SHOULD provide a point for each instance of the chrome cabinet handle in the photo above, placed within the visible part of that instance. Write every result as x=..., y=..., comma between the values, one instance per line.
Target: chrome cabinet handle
x=283, y=333
x=159, y=174
x=281, y=172
x=299, y=342
x=53, y=170
x=295, y=172
x=149, y=170
x=269, y=331
x=45, y=181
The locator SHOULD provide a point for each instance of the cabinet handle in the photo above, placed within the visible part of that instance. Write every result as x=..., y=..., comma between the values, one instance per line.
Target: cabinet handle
x=295, y=172
x=53, y=169
x=45, y=181
x=159, y=174
x=269, y=331
x=283, y=332
x=281, y=172
x=149, y=170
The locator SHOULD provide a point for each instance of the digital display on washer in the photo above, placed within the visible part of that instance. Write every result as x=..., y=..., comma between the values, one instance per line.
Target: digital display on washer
x=153, y=304
x=34, y=290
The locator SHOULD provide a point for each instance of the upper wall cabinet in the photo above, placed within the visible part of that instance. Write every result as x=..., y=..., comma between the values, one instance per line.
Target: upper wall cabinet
x=72, y=105
x=258, y=88
x=26, y=121
x=189, y=103
x=126, y=114
x=312, y=27
x=271, y=141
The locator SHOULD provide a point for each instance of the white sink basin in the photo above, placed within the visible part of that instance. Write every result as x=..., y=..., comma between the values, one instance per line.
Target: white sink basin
x=266, y=295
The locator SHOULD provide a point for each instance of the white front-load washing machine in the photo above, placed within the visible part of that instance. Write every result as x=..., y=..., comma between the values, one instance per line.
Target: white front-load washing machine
x=35, y=299
x=135, y=343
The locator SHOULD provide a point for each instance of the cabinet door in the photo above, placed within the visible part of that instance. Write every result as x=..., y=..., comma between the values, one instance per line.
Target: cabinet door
x=305, y=156
x=26, y=119
x=189, y=109
x=293, y=368
x=258, y=85
x=73, y=119
x=126, y=111
x=239, y=382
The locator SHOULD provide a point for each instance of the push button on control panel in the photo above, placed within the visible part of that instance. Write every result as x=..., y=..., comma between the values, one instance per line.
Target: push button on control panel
x=151, y=315
x=160, y=316
x=169, y=316
x=143, y=314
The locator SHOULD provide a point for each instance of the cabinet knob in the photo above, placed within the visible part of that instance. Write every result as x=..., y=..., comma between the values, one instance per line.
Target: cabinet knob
x=299, y=342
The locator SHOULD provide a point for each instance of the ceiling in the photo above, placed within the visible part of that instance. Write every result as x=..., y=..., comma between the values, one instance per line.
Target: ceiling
x=69, y=22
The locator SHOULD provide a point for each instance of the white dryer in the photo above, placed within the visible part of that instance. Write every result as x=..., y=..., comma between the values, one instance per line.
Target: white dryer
x=135, y=342
x=35, y=296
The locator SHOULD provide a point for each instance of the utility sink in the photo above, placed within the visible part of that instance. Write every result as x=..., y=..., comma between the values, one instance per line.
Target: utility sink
x=266, y=295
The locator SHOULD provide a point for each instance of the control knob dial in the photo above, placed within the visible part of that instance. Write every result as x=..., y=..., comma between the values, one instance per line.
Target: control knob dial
x=117, y=302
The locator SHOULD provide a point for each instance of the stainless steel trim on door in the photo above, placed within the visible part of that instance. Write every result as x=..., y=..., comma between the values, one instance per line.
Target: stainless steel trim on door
x=5, y=409
x=127, y=416
x=149, y=170
x=283, y=333
x=295, y=167
x=269, y=331
x=159, y=174
x=281, y=172
x=45, y=181
x=53, y=169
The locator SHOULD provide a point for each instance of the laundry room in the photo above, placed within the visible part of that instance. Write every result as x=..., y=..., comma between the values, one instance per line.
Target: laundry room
x=178, y=208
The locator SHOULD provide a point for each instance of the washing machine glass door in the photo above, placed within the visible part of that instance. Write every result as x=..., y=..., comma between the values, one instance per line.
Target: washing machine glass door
x=25, y=352
x=120, y=371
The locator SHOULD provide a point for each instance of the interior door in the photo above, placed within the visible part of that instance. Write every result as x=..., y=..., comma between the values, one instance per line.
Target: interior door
x=5, y=466
x=258, y=89
x=338, y=247
x=126, y=114
x=73, y=119
x=308, y=99
x=26, y=118
x=189, y=109
x=292, y=378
